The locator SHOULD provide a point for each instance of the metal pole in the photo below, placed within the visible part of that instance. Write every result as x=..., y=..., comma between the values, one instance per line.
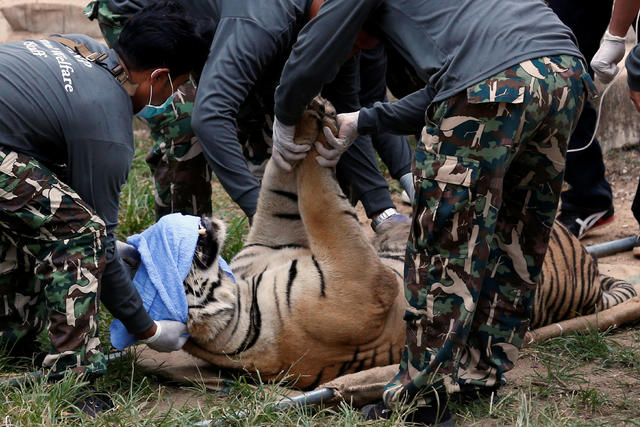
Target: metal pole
x=308, y=398
x=612, y=247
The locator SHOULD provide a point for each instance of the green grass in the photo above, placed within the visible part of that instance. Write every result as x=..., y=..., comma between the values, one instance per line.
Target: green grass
x=236, y=232
x=137, y=210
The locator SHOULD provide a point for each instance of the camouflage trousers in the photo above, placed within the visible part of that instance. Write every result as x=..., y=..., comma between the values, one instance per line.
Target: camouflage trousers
x=488, y=175
x=181, y=175
x=51, y=258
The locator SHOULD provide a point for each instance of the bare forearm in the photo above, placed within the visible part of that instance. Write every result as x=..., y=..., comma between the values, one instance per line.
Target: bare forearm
x=623, y=15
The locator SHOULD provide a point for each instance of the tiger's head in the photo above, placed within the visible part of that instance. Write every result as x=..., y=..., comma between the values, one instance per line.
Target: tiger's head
x=211, y=292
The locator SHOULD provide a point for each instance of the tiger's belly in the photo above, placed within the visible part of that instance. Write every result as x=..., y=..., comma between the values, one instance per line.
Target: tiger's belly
x=286, y=329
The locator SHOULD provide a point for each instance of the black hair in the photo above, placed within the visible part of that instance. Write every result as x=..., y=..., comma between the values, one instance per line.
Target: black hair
x=163, y=35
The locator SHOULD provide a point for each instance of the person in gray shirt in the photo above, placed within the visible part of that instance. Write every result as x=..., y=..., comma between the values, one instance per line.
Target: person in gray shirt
x=66, y=146
x=505, y=85
x=233, y=106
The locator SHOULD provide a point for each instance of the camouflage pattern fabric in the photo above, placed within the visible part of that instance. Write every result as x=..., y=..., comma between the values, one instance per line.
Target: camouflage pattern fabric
x=51, y=257
x=181, y=175
x=488, y=175
x=110, y=23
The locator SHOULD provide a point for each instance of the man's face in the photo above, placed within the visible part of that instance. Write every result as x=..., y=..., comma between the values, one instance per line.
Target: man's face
x=155, y=87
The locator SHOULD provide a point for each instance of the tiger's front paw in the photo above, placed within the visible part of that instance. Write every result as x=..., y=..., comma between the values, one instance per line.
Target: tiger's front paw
x=319, y=114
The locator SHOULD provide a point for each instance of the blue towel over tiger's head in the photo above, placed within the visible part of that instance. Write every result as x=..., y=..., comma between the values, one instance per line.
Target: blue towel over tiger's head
x=166, y=251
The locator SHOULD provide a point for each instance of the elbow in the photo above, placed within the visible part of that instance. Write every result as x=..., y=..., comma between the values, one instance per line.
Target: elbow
x=197, y=122
x=208, y=125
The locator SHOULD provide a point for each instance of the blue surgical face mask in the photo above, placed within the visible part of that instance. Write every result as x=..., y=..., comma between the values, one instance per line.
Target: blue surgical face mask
x=149, y=111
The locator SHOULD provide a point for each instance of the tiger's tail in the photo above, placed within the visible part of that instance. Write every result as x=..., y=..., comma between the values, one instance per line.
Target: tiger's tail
x=614, y=291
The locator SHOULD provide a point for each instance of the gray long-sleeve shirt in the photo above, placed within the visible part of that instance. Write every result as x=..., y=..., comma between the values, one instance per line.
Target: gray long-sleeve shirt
x=75, y=118
x=251, y=44
x=253, y=39
x=451, y=44
x=405, y=117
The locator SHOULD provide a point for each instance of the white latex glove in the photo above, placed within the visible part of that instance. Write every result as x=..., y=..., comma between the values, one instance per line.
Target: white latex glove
x=285, y=150
x=347, y=133
x=169, y=336
x=605, y=61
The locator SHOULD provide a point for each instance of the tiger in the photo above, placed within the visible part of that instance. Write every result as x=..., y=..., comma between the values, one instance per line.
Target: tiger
x=315, y=298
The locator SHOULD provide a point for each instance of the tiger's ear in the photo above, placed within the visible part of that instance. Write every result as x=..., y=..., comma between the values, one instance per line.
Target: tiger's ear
x=210, y=242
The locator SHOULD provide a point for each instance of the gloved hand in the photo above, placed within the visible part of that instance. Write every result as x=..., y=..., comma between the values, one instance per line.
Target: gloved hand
x=604, y=62
x=347, y=133
x=285, y=150
x=169, y=336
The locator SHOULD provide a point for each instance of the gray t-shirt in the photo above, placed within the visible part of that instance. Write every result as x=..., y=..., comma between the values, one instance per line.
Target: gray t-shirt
x=74, y=117
x=451, y=44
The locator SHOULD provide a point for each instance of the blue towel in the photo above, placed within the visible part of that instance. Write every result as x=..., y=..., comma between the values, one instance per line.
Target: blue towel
x=225, y=267
x=166, y=249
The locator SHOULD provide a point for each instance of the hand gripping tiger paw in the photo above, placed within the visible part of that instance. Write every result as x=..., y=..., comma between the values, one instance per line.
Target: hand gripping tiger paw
x=291, y=143
x=313, y=298
x=347, y=133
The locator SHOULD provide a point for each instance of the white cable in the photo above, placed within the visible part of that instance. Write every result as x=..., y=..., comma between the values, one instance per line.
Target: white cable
x=593, y=137
x=604, y=92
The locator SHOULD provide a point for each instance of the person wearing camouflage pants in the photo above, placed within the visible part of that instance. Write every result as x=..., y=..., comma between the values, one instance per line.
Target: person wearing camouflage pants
x=488, y=175
x=62, y=166
x=48, y=229
x=502, y=96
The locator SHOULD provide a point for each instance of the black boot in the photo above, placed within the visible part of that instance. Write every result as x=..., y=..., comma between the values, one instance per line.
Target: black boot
x=436, y=415
x=93, y=403
x=485, y=395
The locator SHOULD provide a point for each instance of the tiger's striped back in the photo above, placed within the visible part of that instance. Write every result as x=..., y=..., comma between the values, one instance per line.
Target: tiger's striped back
x=570, y=284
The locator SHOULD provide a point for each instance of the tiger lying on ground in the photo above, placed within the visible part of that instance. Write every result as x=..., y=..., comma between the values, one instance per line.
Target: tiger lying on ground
x=315, y=298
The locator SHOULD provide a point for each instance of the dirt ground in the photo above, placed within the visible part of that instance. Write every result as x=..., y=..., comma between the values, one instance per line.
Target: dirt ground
x=623, y=172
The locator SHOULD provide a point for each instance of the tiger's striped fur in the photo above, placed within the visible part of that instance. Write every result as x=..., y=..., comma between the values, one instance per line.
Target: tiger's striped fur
x=570, y=284
x=314, y=297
